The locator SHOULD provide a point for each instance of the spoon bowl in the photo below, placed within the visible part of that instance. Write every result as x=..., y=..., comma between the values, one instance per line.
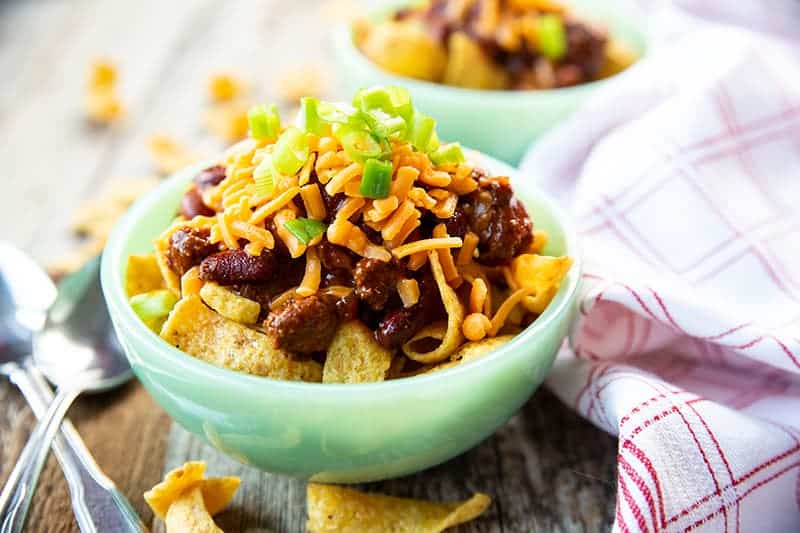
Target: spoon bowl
x=78, y=340
x=26, y=293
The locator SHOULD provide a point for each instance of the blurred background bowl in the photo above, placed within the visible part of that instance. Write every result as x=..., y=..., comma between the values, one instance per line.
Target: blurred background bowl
x=331, y=432
x=498, y=123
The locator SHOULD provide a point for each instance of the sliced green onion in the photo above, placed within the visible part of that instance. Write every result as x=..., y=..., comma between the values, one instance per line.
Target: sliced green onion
x=552, y=36
x=290, y=152
x=358, y=144
x=264, y=176
x=333, y=113
x=423, y=128
x=377, y=179
x=447, y=153
x=264, y=121
x=153, y=307
x=392, y=100
x=305, y=230
x=309, y=117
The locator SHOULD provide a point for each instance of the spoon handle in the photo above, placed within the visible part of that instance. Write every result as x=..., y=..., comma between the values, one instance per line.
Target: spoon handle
x=16, y=497
x=96, y=501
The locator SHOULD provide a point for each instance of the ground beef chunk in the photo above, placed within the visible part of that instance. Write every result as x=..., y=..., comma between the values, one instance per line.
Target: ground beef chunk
x=399, y=325
x=303, y=325
x=192, y=205
x=500, y=221
x=585, y=50
x=210, y=177
x=232, y=267
x=187, y=248
x=375, y=281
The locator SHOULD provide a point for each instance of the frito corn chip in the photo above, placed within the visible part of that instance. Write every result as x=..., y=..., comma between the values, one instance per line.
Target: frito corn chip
x=97, y=216
x=197, y=330
x=188, y=514
x=142, y=275
x=224, y=87
x=469, y=66
x=473, y=350
x=168, y=154
x=452, y=336
x=300, y=81
x=541, y=273
x=171, y=279
x=230, y=305
x=339, y=509
x=218, y=492
x=618, y=57
x=355, y=357
x=175, y=483
x=228, y=120
x=103, y=105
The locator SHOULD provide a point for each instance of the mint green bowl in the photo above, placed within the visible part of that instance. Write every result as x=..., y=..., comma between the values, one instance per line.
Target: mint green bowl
x=337, y=433
x=499, y=123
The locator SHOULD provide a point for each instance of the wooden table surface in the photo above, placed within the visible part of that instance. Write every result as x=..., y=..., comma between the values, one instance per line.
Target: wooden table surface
x=547, y=469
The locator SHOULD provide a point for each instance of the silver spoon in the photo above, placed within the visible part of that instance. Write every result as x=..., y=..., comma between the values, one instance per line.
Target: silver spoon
x=25, y=293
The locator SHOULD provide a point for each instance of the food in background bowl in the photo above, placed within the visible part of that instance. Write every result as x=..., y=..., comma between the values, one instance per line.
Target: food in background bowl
x=353, y=248
x=493, y=44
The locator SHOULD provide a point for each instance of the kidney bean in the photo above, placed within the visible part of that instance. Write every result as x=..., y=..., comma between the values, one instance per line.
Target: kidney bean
x=210, y=177
x=192, y=205
x=233, y=267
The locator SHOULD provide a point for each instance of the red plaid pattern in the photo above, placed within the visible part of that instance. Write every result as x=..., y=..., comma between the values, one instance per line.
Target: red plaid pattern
x=684, y=179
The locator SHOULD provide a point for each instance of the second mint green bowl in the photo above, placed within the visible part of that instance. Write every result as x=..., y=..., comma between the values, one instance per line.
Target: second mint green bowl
x=499, y=123
x=327, y=432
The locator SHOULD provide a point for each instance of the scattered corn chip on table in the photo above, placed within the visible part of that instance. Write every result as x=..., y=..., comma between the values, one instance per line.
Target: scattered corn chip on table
x=546, y=470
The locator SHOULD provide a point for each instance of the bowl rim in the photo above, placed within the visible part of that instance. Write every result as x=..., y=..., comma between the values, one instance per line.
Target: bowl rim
x=342, y=37
x=127, y=321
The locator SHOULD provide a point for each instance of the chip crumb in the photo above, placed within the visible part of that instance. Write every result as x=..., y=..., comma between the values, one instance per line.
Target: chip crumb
x=297, y=82
x=228, y=120
x=75, y=258
x=332, y=508
x=168, y=154
x=224, y=87
x=96, y=218
x=103, y=104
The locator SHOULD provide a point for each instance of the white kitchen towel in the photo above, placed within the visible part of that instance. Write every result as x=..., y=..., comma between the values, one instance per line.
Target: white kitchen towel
x=683, y=178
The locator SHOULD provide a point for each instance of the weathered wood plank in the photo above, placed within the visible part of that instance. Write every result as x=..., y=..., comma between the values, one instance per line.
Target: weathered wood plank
x=547, y=470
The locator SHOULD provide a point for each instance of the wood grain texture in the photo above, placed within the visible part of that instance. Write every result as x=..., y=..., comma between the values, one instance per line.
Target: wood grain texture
x=547, y=469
